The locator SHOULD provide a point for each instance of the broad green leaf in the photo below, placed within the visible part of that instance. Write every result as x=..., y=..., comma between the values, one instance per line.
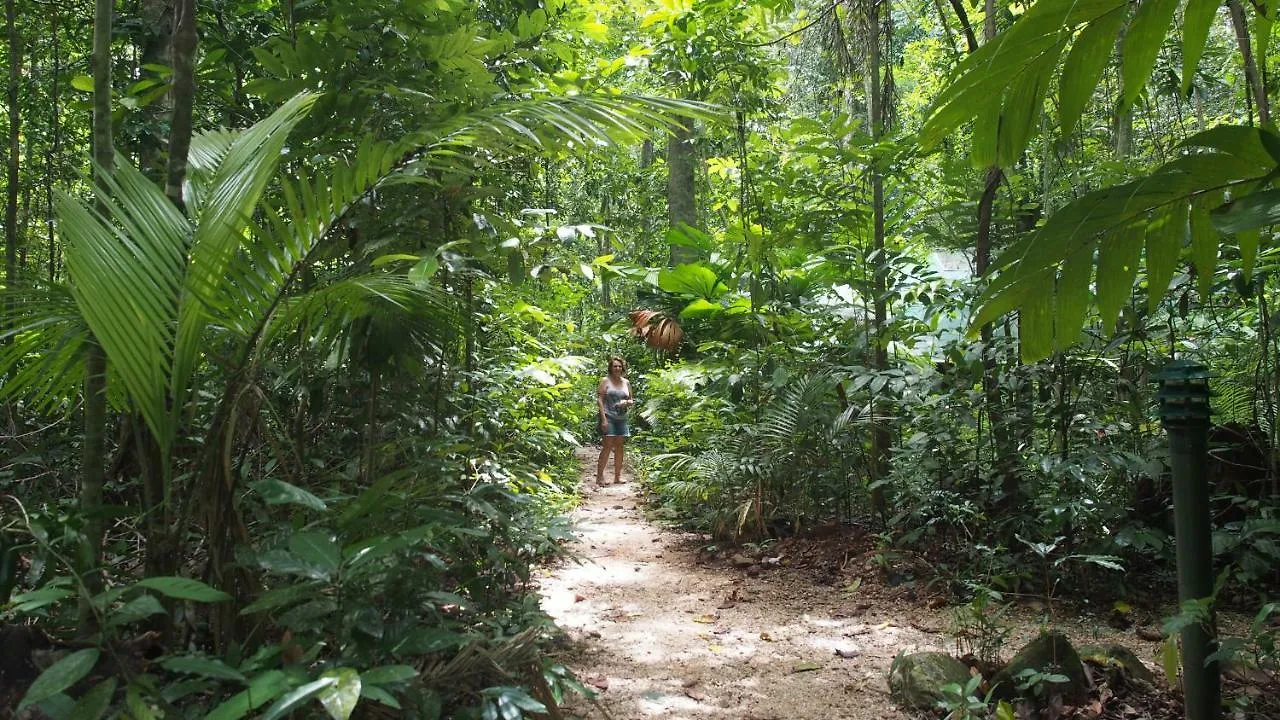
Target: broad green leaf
x=136, y=610
x=61, y=675
x=279, y=492
x=1035, y=327
x=291, y=700
x=389, y=674
x=262, y=690
x=1170, y=658
x=1142, y=40
x=1084, y=65
x=1072, y=297
x=340, y=697
x=700, y=308
x=1023, y=104
x=202, y=666
x=1197, y=18
x=1248, y=241
x=1166, y=235
x=1204, y=247
x=181, y=588
x=693, y=280
x=282, y=597
x=318, y=548
x=421, y=273
x=95, y=703
x=83, y=83
x=1253, y=211
x=1118, y=256
x=394, y=257
x=377, y=694
x=983, y=151
x=997, y=65
x=284, y=562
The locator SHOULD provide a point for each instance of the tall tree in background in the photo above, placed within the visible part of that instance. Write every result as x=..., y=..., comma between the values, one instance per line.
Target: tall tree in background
x=183, y=97
x=15, y=124
x=877, y=36
x=95, y=379
x=682, y=207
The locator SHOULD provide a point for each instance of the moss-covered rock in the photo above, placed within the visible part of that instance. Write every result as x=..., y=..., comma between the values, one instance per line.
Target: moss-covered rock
x=1052, y=654
x=916, y=680
x=1118, y=658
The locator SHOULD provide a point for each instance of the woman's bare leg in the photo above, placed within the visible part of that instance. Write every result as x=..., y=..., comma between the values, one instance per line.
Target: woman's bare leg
x=603, y=460
x=617, y=458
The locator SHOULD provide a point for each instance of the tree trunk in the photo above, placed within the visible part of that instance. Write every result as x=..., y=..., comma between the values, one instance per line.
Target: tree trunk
x=15, y=124
x=605, y=247
x=183, y=93
x=682, y=206
x=95, y=379
x=55, y=153
x=1254, y=75
x=881, y=437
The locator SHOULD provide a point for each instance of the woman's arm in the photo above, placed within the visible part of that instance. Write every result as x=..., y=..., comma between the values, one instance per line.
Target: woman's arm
x=600, y=401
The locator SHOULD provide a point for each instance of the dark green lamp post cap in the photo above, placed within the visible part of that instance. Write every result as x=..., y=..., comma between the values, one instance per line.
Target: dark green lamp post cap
x=1184, y=392
x=1182, y=370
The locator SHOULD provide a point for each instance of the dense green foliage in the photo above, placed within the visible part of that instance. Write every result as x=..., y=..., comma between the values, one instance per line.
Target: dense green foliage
x=852, y=263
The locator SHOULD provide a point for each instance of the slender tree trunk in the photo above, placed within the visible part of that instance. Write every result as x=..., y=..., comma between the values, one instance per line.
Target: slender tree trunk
x=371, y=429
x=605, y=248
x=1005, y=450
x=95, y=380
x=881, y=437
x=15, y=125
x=55, y=153
x=157, y=22
x=682, y=206
x=1122, y=135
x=184, y=92
x=1254, y=75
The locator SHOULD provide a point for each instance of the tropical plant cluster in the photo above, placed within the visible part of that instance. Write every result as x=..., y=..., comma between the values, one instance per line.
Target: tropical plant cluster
x=305, y=303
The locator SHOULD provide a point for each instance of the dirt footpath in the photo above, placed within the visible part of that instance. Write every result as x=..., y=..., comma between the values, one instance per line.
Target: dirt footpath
x=662, y=636
x=660, y=633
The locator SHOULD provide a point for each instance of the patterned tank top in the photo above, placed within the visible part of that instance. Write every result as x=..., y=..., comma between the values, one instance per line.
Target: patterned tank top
x=613, y=397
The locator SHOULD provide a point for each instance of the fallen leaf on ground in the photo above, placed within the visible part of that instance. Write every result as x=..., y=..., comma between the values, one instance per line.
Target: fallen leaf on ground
x=852, y=587
x=716, y=648
x=725, y=605
x=695, y=694
x=846, y=654
x=766, y=637
x=705, y=619
x=579, y=597
x=806, y=666
x=597, y=681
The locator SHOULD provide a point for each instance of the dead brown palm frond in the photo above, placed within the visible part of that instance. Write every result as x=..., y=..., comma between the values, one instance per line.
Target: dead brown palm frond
x=658, y=330
x=481, y=664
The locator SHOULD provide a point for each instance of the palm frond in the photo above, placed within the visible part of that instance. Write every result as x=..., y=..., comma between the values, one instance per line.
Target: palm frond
x=126, y=268
x=579, y=123
x=328, y=315
x=43, y=359
x=233, y=191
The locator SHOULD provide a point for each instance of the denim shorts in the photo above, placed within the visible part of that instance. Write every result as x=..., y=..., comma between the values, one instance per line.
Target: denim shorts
x=616, y=427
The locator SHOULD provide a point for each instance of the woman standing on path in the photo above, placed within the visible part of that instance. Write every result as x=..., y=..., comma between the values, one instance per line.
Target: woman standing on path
x=613, y=398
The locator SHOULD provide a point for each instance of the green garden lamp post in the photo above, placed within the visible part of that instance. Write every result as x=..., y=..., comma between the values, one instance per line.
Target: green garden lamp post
x=1184, y=411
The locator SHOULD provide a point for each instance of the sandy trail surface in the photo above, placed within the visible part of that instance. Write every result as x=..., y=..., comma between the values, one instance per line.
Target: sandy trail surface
x=662, y=633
